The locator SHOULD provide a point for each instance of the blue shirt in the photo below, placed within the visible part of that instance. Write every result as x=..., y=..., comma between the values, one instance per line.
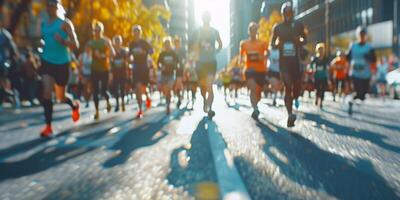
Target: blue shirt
x=360, y=58
x=54, y=52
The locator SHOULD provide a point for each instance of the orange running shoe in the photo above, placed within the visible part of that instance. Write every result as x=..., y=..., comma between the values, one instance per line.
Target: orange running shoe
x=139, y=114
x=148, y=103
x=47, y=132
x=76, y=113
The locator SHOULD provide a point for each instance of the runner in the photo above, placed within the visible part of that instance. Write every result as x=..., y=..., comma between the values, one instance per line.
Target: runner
x=178, y=85
x=119, y=70
x=59, y=38
x=381, y=81
x=140, y=50
x=101, y=52
x=362, y=58
x=226, y=79
x=236, y=74
x=340, y=68
x=291, y=37
x=85, y=63
x=192, y=80
x=168, y=62
x=273, y=73
x=205, y=39
x=8, y=52
x=320, y=66
x=253, y=52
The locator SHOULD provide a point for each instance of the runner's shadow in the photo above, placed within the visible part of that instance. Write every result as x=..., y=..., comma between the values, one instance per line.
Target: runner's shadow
x=375, y=138
x=26, y=146
x=311, y=166
x=53, y=155
x=144, y=135
x=394, y=127
x=193, y=163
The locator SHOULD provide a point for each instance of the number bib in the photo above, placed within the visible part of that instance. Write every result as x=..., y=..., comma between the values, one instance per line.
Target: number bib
x=289, y=49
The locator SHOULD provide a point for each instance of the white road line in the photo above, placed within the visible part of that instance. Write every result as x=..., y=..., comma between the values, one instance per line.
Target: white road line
x=230, y=182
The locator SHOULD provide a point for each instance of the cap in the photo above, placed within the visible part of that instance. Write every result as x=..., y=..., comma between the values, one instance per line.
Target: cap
x=286, y=6
x=320, y=45
x=362, y=30
x=54, y=1
x=136, y=28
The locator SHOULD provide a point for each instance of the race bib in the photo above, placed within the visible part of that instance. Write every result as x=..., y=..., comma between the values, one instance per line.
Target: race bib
x=320, y=67
x=289, y=49
x=118, y=62
x=359, y=64
x=253, y=56
x=137, y=50
x=168, y=60
x=206, y=45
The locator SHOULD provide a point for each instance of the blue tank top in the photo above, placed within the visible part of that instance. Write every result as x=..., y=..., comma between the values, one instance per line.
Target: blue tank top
x=53, y=51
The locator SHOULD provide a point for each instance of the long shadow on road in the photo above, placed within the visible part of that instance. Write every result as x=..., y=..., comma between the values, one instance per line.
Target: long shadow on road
x=199, y=167
x=141, y=136
x=311, y=166
x=374, y=138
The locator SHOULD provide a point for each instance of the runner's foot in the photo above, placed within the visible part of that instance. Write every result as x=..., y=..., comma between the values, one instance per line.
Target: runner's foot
x=76, y=113
x=47, y=132
x=291, y=120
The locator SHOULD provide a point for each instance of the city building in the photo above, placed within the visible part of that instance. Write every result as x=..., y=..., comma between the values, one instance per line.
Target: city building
x=345, y=16
x=182, y=21
x=242, y=13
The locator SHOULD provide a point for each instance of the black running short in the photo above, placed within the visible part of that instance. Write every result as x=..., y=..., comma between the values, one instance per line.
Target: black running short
x=141, y=75
x=259, y=77
x=60, y=73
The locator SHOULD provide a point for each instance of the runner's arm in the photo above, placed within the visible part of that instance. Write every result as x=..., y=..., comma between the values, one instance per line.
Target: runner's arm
x=274, y=38
x=72, y=42
x=219, y=42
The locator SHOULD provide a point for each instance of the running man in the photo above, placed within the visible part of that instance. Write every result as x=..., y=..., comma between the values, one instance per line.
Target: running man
x=273, y=73
x=59, y=39
x=289, y=37
x=320, y=67
x=236, y=79
x=85, y=67
x=178, y=85
x=362, y=58
x=168, y=62
x=339, y=69
x=253, y=52
x=102, y=52
x=119, y=70
x=205, y=39
x=381, y=81
x=8, y=52
x=139, y=50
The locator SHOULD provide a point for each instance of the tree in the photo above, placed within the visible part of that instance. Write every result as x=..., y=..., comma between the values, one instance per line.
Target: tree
x=266, y=25
x=118, y=18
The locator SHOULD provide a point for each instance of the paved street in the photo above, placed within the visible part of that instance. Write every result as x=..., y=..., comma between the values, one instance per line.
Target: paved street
x=328, y=155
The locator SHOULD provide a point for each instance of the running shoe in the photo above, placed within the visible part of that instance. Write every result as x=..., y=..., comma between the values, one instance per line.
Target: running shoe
x=76, y=113
x=116, y=109
x=139, y=114
x=350, y=111
x=255, y=114
x=297, y=104
x=96, y=115
x=47, y=132
x=211, y=114
x=148, y=103
x=291, y=120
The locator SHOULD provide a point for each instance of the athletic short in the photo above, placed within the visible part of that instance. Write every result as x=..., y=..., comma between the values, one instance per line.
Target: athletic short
x=206, y=69
x=167, y=80
x=60, y=73
x=361, y=87
x=259, y=77
x=276, y=75
x=381, y=81
x=119, y=73
x=294, y=74
x=141, y=75
x=237, y=82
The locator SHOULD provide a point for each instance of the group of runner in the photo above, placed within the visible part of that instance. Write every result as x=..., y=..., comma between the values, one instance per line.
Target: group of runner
x=105, y=65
